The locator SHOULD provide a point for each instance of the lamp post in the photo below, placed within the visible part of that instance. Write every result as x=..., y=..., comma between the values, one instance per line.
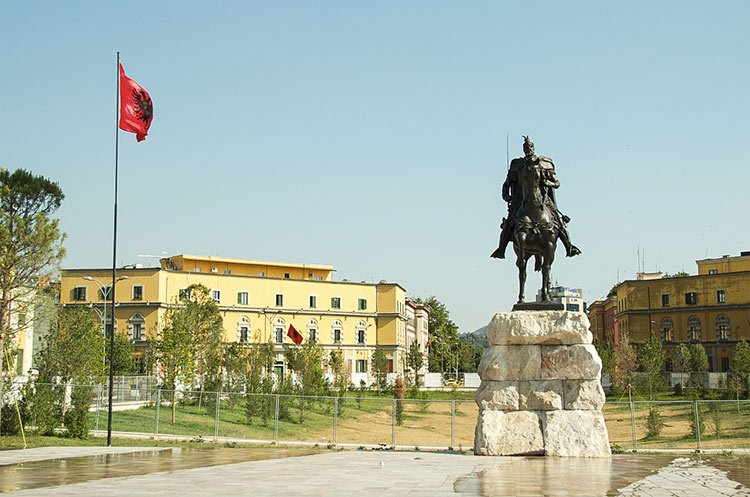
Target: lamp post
x=111, y=343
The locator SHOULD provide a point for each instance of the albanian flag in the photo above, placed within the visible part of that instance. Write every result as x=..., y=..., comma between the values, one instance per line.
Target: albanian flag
x=294, y=335
x=136, y=108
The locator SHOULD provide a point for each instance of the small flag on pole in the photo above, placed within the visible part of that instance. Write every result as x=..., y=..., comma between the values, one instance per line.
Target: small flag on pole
x=136, y=108
x=295, y=335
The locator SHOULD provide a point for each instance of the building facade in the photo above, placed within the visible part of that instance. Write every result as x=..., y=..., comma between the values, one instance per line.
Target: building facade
x=711, y=308
x=258, y=301
x=570, y=298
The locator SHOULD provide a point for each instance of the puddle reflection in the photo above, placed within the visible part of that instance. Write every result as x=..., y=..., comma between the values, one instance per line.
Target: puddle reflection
x=79, y=469
x=594, y=477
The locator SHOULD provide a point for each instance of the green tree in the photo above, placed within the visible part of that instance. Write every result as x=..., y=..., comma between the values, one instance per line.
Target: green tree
x=682, y=362
x=380, y=366
x=414, y=360
x=443, y=336
x=651, y=357
x=123, y=357
x=30, y=247
x=189, y=342
x=625, y=365
x=741, y=365
x=340, y=376
x=75, y=355
x=606, y=350
x=399, y=393
x=698, y=366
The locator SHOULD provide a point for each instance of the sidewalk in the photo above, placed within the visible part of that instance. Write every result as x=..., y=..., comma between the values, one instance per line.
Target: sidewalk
x=421, y=474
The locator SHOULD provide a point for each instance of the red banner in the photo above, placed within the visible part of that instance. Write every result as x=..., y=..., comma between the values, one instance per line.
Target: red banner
x=294, y=335
x=136, y=108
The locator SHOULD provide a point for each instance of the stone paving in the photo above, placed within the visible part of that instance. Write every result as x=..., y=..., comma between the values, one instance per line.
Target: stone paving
x=380, y=473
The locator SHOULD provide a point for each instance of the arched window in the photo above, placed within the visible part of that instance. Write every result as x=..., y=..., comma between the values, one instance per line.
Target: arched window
x=243, y=330
x=278, y=330
x=337, y=332
x=312, y=330
x=694, y=329
x=361, y=333
x=722, y=328
x=667, y=330
x=137, y=327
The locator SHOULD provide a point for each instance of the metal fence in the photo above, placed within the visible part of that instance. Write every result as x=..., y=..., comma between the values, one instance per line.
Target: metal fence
x=356, y=420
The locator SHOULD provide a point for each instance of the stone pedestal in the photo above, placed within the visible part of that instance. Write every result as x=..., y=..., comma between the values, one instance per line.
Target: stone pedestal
x=541, y=387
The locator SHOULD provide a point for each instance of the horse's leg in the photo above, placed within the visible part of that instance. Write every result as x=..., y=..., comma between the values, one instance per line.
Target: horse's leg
x=521, y=259
x=548, y=259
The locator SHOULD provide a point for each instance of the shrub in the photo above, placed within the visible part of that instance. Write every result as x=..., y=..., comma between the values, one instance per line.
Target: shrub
x=76, y=418
x=654, y=422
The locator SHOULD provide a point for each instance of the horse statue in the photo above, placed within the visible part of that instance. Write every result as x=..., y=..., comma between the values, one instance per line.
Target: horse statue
x=534, y=224
x=535, y=233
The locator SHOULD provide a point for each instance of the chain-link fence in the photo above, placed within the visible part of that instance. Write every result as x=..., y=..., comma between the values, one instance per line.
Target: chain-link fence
x=356, y=420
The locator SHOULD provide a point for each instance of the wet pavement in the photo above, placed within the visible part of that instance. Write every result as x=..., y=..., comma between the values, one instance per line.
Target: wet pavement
x=376, y=473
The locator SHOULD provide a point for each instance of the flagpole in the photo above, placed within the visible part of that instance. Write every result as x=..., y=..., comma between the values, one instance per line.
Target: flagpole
x=114, y=264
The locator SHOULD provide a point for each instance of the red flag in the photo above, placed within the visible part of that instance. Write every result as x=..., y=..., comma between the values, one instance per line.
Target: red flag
x=294, y=335
x=136, y=108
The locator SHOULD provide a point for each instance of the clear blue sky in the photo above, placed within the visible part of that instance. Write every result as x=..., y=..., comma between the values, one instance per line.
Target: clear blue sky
x=371, y=135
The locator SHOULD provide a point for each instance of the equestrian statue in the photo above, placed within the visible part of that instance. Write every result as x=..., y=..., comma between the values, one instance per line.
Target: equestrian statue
x=534, y=223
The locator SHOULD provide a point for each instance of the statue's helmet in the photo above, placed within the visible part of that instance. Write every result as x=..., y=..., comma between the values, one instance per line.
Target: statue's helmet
x=528, y=145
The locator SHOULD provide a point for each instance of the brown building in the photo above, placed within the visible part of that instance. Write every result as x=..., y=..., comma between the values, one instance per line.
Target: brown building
x=712, y=308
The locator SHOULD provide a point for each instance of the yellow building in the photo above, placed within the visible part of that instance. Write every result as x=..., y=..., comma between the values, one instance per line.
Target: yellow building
x=712, y=308
x=258, y=301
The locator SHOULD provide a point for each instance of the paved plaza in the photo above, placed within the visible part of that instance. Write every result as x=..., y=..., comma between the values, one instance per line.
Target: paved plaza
x=380, y=473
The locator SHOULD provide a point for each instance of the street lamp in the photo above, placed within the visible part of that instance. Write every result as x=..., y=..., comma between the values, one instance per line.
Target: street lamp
x=103, y=289
x=111, y=342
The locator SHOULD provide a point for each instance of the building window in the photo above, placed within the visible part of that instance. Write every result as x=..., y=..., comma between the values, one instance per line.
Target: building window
x=184, y=294
x=279, y=300
x=335, y=302
x=721, y=296
x=724, y=364
x=667, y=330
x=286, y=276
x=361, y=365
x=362, y=304
x=227, y=271
x=573, y=307
x=713, y=271
x=105, y=293
x=137, y=292
x=337, y=331
x=136, y=327
x=312, y=330
x=313, y=301
x=79, y=293
x=694, y=329
x=278, y=330
x=665, y=300
x=242, y=298
x=243, y=330
x=691, y=298
x=722, y=328
x=22, y=320
x=216, y=296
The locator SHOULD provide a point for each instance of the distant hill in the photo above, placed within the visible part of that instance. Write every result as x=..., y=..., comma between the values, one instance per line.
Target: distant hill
x=478, y=337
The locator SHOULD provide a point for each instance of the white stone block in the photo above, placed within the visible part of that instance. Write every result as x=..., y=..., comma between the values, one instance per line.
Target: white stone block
x=539, y=328
x=570, y=362
x=501, y=433
x=545, y=395
x=510, y=362
x=472, y=380
x=583, y=394
x=498, y=395
x=575, y=434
